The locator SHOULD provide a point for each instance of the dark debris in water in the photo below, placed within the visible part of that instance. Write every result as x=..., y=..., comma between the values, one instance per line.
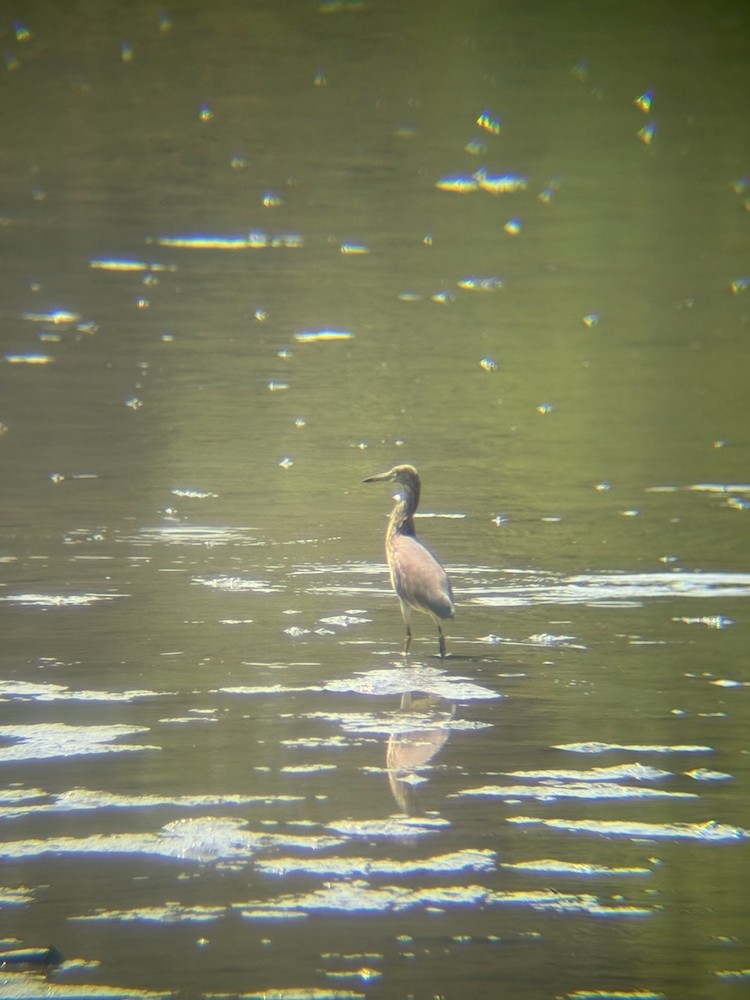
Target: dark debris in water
x=31, y=957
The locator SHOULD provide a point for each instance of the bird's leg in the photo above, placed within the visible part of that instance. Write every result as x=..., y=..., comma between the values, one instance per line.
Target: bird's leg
x=406, y=613
x=407, y=644
x=441, y=641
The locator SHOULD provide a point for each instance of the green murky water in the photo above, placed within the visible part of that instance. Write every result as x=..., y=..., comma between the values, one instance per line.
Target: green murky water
x=253, y=254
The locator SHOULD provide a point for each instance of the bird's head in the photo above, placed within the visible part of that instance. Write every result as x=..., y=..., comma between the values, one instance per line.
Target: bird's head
x=407, y=477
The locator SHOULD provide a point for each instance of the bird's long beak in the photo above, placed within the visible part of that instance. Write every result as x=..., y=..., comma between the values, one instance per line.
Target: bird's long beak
x=381, y=477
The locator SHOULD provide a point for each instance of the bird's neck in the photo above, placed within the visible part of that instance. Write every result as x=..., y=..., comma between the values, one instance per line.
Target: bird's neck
x=402, y=515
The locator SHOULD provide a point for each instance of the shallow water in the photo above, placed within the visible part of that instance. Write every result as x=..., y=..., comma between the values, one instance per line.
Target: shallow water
x=253, y=255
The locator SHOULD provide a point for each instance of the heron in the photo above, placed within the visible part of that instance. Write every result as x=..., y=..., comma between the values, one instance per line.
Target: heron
x=417, y=576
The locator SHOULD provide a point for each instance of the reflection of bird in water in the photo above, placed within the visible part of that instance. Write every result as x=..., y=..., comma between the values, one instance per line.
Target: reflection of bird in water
x=410, y=750
x=420, y=582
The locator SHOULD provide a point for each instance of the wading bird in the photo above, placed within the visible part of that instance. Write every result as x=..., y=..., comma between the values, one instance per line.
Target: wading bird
x=420, y=582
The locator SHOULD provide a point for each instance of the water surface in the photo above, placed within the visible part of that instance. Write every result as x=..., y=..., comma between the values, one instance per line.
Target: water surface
x=253, y=254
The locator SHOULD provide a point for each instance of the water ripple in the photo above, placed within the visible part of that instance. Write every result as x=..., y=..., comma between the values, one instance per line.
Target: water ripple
x=204, y=839
x=237, y=584
x=358, y=896
x=338, y=867
x=43, y=742
x=496, y=587
x=710, y=831
x=26, y=691
x=551, y=792
x=632, y=747
x=596, y=588
x=618, y=772
x=28, y=987
x=22, y=802
x=196, y=534
x=549, y=866
x=418, y=677
x=169, y=913
x=59, y=600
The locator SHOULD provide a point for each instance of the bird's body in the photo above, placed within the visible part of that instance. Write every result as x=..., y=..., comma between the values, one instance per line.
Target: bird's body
x=418, y=578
